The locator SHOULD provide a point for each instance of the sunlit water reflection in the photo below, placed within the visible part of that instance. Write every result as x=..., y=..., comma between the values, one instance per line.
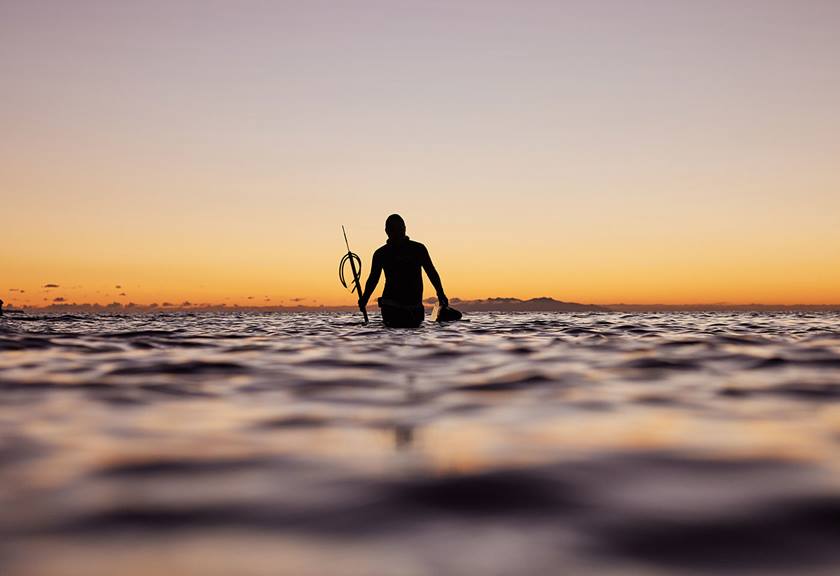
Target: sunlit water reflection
x=510, y=444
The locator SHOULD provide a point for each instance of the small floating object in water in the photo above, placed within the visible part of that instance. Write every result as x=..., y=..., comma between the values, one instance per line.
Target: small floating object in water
x=445, y=314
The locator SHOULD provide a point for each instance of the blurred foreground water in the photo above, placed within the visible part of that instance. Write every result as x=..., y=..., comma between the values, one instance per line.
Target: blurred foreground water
x=266, y=444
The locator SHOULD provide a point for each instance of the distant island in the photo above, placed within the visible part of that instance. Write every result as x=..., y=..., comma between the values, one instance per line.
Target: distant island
x=543, y=304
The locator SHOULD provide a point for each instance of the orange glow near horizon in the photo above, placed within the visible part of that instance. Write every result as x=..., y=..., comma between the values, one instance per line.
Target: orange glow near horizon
x=592, y=154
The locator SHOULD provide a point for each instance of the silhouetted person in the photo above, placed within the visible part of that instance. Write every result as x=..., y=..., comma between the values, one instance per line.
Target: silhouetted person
x=401, y=259
x=1, y=307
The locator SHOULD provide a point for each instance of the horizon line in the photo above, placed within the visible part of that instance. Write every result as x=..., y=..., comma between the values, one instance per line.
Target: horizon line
x=428, y=303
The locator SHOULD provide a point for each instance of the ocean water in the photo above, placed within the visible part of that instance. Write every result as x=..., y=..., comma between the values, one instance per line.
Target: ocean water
x=266, y=444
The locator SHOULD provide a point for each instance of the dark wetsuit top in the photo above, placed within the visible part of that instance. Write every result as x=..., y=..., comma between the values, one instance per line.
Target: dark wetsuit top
x=402, y=260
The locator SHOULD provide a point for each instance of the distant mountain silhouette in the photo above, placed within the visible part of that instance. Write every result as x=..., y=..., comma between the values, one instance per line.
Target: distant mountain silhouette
x=543, y=304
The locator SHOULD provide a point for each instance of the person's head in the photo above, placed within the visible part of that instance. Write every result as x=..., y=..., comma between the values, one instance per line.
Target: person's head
x=395, y=227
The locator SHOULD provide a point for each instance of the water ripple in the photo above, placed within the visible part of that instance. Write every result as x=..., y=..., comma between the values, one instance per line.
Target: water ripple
x=513, y=443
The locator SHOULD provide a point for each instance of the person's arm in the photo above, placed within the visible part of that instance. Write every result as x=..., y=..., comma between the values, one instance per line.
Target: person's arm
x=372, y=281
x=434, y=278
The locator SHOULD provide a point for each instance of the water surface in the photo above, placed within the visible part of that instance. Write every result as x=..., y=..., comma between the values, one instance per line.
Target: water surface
x=603, y=443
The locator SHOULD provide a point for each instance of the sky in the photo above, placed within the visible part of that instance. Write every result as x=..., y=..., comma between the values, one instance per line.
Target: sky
x=594, y=151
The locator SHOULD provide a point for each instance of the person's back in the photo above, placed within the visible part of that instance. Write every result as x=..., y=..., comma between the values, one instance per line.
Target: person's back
x=402, y=260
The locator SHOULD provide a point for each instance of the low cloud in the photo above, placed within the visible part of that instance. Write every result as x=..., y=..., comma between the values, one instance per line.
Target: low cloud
x=51, y=286
x=118, y=286
x=186, y=303
x=297, y=299
x=122, y=293
x=59, y=299
x=167, y=304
